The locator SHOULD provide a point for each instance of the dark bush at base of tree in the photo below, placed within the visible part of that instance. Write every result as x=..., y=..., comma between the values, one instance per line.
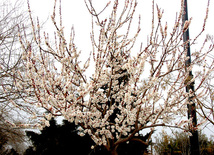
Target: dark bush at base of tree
x=64, y=139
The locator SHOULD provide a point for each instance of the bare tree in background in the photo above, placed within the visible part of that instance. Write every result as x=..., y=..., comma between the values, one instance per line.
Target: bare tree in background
x=127, y=93
x=11, y=138
x=13, y=19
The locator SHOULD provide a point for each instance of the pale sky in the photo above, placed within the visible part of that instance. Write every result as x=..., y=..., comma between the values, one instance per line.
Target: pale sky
x=76, y=14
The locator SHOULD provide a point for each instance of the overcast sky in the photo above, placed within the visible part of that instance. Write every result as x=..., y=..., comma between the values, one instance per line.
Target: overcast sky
x=76, y=14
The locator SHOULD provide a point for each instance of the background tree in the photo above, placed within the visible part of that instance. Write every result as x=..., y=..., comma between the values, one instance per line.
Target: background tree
x=113, y=111
x=13, y=19
x=57, y=139
x=12, y=140
x=178, y=143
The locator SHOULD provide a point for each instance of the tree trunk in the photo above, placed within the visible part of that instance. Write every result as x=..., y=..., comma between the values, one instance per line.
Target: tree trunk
x=114, y=151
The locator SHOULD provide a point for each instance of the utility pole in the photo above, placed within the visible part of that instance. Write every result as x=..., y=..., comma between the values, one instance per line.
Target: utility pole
x=194, y=142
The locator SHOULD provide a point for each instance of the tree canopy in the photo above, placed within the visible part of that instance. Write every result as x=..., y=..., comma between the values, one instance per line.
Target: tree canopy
x=128, y=93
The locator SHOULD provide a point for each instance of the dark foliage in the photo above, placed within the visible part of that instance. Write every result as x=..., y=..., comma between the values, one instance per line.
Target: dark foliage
x=10, y=152
x=57, y=139
x=64, y=139
x=3, y=139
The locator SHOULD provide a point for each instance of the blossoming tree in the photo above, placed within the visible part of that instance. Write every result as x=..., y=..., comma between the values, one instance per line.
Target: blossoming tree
x=127, y=93
x=205, y=104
